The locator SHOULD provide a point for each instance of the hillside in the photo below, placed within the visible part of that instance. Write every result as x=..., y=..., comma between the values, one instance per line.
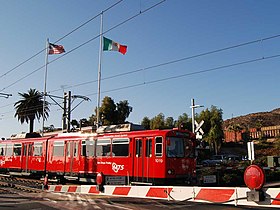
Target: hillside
x=256, y=120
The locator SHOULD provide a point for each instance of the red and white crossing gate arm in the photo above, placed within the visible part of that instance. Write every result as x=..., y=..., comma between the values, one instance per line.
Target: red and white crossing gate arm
x=222, y=195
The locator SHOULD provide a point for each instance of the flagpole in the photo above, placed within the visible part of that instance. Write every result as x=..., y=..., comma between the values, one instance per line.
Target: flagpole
x=45, y=84
x=99, y=70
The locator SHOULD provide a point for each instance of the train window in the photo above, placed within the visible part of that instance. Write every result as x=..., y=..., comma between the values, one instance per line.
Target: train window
x=68, y=149
x=76, y=146
x=138, y=148
x=2, y=149
x=38, y=149
x=9, y=150
x=24, y=149
x=83, y=148
x=58, y=148
x=30, y=150
x=17, y=149
x=158, y=147
x=88, y=148
x=149, y=148
x=189, y=148
x=120, y=147
x=175, y=147
x=103, y=147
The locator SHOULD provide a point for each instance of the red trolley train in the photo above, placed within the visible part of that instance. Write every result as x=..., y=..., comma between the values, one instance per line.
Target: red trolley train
x=121, y=157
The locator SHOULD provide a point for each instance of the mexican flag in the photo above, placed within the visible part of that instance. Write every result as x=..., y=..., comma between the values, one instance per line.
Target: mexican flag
x=110, y=45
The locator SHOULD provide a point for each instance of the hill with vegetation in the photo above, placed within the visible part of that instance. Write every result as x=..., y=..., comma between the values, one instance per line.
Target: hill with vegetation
x=263, y=147
x=256, y=120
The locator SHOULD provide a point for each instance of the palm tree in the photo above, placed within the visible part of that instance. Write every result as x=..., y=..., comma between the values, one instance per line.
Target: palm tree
x=31, y=107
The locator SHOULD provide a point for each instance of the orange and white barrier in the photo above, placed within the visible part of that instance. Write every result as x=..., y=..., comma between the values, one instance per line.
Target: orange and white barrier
x=222, y=195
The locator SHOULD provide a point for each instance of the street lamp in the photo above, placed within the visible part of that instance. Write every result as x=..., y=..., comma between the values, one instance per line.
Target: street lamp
x=193, y=106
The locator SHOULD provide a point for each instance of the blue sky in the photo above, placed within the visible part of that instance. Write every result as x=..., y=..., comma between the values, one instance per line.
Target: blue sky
x=173, y=30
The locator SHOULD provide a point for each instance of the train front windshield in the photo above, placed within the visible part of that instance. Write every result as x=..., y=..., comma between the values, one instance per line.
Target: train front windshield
x=178, y=147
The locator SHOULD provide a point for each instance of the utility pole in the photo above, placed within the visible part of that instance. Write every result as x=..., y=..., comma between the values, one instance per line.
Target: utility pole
x=67, y=107
x=193, y=106
x=69, y=111
x=64, y=115
x=99, y=71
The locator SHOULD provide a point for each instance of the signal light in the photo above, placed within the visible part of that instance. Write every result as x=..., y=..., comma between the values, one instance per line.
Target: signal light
x=254, y=178
x=99, y=178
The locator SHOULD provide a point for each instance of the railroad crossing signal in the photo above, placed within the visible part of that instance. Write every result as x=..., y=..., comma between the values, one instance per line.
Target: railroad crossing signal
x=198, y=130
x=251, y=151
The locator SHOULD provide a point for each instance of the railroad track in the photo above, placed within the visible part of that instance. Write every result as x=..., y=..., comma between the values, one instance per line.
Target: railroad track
x=22, y=184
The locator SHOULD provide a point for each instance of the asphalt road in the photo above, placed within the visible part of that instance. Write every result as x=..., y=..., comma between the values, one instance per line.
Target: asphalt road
x=16, y=200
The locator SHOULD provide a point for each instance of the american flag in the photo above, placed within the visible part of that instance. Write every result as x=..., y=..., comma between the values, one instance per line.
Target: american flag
x=55, y=49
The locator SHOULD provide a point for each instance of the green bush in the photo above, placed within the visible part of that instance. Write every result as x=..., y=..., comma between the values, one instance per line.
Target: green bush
x=231, y=178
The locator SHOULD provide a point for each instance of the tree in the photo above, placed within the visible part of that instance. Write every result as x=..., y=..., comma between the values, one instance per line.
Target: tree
x=213, y=137
x=146, y=123
x=160, y=122
x=30, y=107
x=92, y=118
x=169, y=122
x=185, y=121
x=206, y=116
x=84, y=123
x=111, y=113
x=107, y=111
x=123, y=111
x=74, y=123
x=157, y=122
x=213, y=126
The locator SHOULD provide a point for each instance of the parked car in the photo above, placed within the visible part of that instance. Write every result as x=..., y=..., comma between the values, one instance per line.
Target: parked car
x=215, y=160
x=233, y=158
x=221, y=159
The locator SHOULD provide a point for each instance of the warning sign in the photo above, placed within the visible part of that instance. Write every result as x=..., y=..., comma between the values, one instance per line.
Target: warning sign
x=209, y=179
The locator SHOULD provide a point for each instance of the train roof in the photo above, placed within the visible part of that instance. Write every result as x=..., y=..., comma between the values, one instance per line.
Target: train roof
x=24, y=136
x=121, y=130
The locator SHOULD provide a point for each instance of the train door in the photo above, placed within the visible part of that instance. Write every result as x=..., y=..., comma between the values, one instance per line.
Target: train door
x=142, y=160
x=147, y=166
x=138, y=160
x=71, y=158
x=26, y=154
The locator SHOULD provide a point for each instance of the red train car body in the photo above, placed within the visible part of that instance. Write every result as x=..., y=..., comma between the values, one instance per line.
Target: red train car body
x=125, y=157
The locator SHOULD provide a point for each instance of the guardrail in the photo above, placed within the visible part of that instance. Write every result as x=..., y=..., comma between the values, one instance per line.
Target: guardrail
x=220, y=195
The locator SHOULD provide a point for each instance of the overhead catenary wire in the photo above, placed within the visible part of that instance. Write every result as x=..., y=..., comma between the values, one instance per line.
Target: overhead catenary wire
x=63, y=37
x=149, y=67
x=138, y=70
x=88, y=21
x=192, y=73
x=176, y=61
x=183, y=75
x=83, y=44
x=4, y=116
x=26, y=109
x=162, y=64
